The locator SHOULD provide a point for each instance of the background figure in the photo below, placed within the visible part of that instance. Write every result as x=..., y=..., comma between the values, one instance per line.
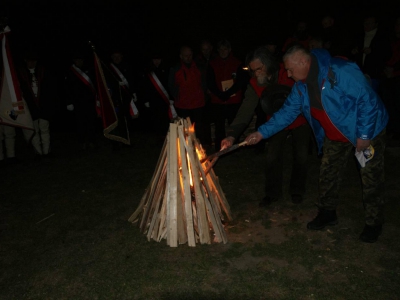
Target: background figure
x=81, y=99
x=7, y=136
x=154, y=93
x=187, y=89
x=334, y=39
x=39, y=90
x=202, y=61
x=226, y=81
x=372, y=50
x=300, y=35
x=122, y=87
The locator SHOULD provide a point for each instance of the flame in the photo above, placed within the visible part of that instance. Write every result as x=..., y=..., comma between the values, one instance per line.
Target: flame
x=191, y=128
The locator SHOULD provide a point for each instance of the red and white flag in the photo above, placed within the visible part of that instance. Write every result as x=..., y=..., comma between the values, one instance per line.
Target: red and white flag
x=13, y=108
x=107, y=110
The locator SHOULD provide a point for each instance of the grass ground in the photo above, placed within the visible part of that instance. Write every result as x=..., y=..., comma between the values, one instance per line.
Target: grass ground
x=64, y=233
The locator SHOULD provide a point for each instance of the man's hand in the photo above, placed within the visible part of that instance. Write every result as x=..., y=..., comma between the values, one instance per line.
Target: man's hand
x=227, y=142
x=362, y=144
x=254, y=138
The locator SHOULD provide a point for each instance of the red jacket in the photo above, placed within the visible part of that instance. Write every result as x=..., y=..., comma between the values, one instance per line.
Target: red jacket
x=188, y=84
x=225, y=69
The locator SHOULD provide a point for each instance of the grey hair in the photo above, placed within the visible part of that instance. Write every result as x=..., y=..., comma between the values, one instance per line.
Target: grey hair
x=297, y=48
x=266, y=57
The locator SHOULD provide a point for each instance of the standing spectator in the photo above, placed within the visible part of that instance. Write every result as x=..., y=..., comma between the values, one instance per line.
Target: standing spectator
x=81, y=99
x=187, y=89
x=39, y=90
x=300, y=36
x=346, y=115
x=372, y=50
x=202, y=61
x=270, y=85
x=334, y=39
x=122, y=88
x=159, y=110
x=7, y=134
x=226, y=81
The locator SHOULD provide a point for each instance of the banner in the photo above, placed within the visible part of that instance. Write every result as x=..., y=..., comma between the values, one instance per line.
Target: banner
x=114, y=128
x=13, y=108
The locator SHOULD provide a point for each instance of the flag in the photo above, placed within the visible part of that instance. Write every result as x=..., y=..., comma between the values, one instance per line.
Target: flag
x=13, y=108
x=114, y=125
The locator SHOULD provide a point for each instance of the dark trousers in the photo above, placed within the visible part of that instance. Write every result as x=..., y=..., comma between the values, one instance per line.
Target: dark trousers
x=221, y=113
x=276, y=159
x=334, y=159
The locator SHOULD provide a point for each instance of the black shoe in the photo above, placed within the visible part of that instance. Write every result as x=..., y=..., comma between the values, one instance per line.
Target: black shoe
x=324, y=218
x=297, y=199
x=370, y=234
x=267, y=200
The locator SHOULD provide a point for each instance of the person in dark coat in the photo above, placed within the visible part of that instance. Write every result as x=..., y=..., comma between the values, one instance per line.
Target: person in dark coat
x=39, y=90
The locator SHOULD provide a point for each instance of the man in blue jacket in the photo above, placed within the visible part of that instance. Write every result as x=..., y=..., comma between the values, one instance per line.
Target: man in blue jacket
x=344, y=113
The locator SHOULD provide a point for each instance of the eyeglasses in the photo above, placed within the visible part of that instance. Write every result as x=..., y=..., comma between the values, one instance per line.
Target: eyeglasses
x=255, y=71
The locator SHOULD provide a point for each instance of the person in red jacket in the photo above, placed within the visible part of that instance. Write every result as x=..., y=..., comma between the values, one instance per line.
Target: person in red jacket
x=269, y=86
x=226, y=81
x=187, y=89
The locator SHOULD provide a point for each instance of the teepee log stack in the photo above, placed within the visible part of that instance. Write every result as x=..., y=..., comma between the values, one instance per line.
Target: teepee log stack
x=184, y=202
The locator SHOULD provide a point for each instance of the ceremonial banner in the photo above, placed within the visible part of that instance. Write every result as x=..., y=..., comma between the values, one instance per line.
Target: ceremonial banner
x=114, y=128
x=13, y=108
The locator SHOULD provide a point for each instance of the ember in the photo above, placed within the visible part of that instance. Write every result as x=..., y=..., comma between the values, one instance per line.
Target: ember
x=184, y=202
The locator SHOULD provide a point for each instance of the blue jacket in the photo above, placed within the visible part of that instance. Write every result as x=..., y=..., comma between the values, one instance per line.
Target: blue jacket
x=347, y=97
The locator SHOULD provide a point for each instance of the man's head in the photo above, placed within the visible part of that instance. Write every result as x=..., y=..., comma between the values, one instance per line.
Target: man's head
x=117, y=57
x=31, y=58
x=186, y=54
x=224, y=48
x=327, y=21
x=262, y=65
x=297, y=61
x=370, y=23
x=315, y=42
x=206, y=48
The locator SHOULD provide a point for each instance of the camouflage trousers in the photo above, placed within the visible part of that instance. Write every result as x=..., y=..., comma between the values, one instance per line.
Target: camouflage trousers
x=335, y=157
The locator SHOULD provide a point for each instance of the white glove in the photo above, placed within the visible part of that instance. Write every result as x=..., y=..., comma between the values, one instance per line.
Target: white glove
x=147, y=104
x=70, y=107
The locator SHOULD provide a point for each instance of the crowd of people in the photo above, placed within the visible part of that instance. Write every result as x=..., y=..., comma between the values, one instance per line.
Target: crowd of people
x=320, y=88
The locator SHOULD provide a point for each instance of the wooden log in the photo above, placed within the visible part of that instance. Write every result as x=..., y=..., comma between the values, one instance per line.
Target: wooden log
x=187, y=195
x=159, y=165
x=154, y=195
x=163, y=217
x=221, y=196
x=172, y=182
x=212, y=210
x=204, y=232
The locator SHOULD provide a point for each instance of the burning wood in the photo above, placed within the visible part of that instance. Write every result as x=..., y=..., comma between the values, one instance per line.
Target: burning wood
x=184, y=202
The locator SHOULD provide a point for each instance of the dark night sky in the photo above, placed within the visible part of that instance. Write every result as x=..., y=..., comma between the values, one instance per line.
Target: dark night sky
x=139, y=26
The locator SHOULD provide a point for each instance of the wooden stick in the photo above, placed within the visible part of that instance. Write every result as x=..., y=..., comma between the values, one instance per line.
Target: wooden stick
x=172, y=181
x=186, y=188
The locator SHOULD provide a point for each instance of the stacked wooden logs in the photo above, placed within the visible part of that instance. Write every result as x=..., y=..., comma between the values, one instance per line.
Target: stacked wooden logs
x=184, y=202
